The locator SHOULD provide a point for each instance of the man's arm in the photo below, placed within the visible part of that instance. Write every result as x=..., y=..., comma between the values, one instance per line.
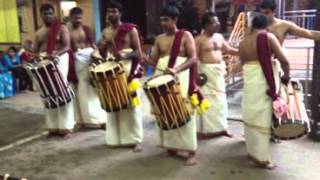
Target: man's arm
x=155, y=53
x=190, y=49
x=65, y=41
x=241, y=54
x=101, y=46
x=301, y=32
x=226, y=48
x=279, y=54
x=36, y=47
x=198, y=46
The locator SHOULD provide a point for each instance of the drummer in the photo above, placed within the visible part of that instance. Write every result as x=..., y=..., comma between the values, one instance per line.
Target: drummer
x=210, y=46
x=122, y=41
x=256, y=104
x=182, y=139
x=281, y=28
x=53, y=39
x=87, y=106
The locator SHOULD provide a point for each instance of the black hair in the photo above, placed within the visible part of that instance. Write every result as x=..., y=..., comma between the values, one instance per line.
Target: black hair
x=170, y=10
x=114, y=4
x=260, y=22
x=269, y=4
x=13, y=49
x=46, y=7
x=206, y=18
x=75, y=11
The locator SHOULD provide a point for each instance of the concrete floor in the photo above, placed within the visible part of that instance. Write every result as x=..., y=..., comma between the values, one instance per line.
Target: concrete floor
x=85, y=157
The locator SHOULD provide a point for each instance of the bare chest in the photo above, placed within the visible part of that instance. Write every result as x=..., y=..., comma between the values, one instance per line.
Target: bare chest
x=279, y=31
x=166, y=45
x=78, y=36
x=110, y=37
x=212, y=45
x=43, y=36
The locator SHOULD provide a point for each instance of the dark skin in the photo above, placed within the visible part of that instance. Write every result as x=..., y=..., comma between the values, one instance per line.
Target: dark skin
x=280, y=28
x=132, y=39
x=162, y=47
x=77, y=33
x=63, y=37
x=163, y=44
x=248, y=51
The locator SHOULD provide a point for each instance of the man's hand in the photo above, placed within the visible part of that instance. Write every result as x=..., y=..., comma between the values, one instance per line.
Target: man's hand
x=171, y=71
x=285, y=80
x=118, y=56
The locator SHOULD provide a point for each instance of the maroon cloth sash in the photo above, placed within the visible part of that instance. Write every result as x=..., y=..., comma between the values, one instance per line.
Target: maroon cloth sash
x=51, y=46
x=72, y=76
x=193, y=87
x=123, y=30
x=264, y=56
x=52, y=36
x=175, y=48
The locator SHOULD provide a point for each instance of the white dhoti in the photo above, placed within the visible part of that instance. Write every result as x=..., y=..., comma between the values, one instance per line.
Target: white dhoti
x=257, y=110
x=61, y=119
x=185, y=137
x=87, y=105
x=214, y=120
x=125, y=126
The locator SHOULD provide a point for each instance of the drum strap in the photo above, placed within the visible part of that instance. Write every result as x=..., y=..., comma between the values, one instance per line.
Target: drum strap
x=175, y=48
x=119, y=42
x=266, y=64
x=53, y=32
x=193, y=87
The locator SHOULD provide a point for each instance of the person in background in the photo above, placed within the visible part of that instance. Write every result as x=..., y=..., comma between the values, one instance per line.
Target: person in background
x=6, y=80
x=12, y=62
x=26, y=52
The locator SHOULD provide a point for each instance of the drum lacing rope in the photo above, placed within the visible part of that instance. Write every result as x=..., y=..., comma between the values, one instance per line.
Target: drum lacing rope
x=109, y=93
x=183, y=113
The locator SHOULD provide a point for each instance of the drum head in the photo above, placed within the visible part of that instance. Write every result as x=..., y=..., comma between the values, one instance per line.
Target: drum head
x=159, y=80
x=43, y=63
x=290, y=129
x=107, y=67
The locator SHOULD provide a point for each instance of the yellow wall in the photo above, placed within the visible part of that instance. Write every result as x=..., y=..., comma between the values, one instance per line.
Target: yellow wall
x=87, y=7
x=29, y=22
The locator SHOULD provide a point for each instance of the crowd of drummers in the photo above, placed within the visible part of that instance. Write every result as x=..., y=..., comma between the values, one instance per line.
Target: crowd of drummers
x=84, y=84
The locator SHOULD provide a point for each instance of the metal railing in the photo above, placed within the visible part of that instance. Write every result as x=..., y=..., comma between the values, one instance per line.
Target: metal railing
x=303, y=18
x=303, y=71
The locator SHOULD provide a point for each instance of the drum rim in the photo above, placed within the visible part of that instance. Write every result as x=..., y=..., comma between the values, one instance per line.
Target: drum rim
x=94, y=67
x=33, y=67
x=305, y=124
x=117, y=70
x=172, y=81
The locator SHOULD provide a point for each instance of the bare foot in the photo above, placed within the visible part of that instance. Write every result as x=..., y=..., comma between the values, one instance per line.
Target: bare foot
x=51, y=134
x=267, y=165
x=137, y=148
x=203, y=136
x=103, y=126
x=227, y=134
x=67, y=136
x=275, y=140
x=171, y=152
x=192, y=160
